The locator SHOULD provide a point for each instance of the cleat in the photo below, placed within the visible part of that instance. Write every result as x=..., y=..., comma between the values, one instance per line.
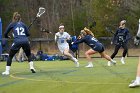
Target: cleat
x=113, y=62
x=109, y=63
x=89, y=66
x=75, y=60
x=122, y=61
x=33, y=70
x=77, y=64
x=134, y=84
x=5, y=73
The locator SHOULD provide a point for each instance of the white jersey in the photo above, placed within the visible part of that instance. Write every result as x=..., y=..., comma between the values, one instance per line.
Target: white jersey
x=138, y=33
x=61, y=40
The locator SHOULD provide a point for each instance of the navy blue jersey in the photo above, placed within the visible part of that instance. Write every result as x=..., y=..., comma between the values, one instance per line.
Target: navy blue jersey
x=19, y=30
x=92, y=42
x=121, y=36
x=73, y=47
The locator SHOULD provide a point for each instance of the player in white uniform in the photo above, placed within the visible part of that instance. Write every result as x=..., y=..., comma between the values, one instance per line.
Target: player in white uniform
x=136, y=82
x=61, y=38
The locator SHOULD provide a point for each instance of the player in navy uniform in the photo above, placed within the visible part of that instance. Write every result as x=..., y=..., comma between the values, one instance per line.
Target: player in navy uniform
x=96, y=47
x=20, y=34
x=121, y=38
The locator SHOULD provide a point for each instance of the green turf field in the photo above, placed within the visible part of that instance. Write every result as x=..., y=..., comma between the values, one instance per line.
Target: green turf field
x=63, y=77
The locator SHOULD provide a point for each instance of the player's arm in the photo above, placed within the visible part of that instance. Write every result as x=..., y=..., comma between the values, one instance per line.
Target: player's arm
x=68, y=37
x=56, y=37
x=8, y=29
x=128, y=36
x=79, y=40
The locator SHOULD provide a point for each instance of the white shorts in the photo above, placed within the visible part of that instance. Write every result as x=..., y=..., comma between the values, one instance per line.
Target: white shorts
x=63, y=47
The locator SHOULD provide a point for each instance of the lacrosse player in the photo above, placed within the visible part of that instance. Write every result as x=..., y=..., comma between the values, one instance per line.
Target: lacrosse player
x=136, y=82
x=20, y=34
x=96, y=47
x=61, y=38
x=120, y=39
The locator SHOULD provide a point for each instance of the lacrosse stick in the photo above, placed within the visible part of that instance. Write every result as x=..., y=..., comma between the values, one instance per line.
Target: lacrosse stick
x=40, y=12
x=46, y=30
x=109, y=30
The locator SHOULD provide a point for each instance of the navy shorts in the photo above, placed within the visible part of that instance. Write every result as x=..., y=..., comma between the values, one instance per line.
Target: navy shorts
x=18, y=44
x=98, y=47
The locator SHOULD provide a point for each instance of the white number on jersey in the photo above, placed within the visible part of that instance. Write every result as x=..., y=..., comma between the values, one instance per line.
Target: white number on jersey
x=20, y=31
x=94, y=39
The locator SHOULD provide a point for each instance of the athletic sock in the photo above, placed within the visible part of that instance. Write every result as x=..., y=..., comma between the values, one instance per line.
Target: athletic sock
x=7, y=68
x=74, y=59
x=113, y=61
x=138, y=79
x=122, y=58
x=31, y=65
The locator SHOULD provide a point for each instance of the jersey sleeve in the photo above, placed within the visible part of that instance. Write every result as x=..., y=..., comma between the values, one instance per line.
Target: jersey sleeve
x=68, y=36
x=79, y=40
x=128, y=36
x=8, y=29
x=56, y=37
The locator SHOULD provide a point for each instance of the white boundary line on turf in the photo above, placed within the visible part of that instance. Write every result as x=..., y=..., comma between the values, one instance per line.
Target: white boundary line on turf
x=56, y=81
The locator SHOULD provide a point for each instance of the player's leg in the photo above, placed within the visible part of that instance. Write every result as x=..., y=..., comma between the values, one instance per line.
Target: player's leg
x=117, y=47
x=104, y=55
x=14, y=49
x=136, y=82
x=27, y=50
x=88, y=57
x=67, y=53
x=124, y=53
x=9, y=61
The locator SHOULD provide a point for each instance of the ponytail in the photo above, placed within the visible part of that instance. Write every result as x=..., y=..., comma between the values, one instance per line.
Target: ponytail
x=16, y=17
x=88, y=32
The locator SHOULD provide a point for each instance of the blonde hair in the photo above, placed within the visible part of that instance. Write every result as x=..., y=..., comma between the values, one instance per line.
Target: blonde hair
x=87, y=31
x=16, y=17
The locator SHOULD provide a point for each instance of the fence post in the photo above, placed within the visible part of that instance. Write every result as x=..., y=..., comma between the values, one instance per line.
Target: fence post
x=0, y=37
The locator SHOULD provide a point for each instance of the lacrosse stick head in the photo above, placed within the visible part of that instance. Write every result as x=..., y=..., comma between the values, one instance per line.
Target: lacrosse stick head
x=137, y=41
x=45, y=30
x=108, y=29
x=40, y=12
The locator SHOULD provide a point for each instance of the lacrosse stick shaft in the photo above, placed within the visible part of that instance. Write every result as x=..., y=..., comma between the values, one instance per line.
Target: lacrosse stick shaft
x=32, y=22
x=112, y=32
x=40, y=12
